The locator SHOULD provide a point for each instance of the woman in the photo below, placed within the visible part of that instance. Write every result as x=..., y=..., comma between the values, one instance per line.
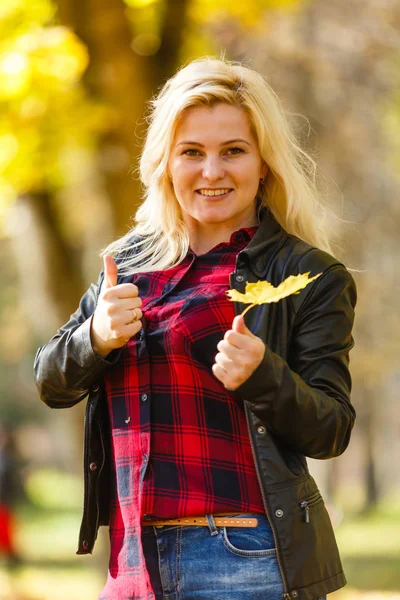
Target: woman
x=198, y=421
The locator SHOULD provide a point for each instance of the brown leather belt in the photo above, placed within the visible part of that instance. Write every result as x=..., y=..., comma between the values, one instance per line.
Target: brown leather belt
x=202, y=522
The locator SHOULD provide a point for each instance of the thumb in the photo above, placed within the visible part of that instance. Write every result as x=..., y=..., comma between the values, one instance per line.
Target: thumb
x=110, y=271
x=239, y=326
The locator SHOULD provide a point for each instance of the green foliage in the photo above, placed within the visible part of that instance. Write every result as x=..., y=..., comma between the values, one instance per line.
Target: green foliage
x=45, y=112
x=391, y=128
x=44, y=109
x=370, y=546
x=51, y=489
x=18, y=16
x=146, y=17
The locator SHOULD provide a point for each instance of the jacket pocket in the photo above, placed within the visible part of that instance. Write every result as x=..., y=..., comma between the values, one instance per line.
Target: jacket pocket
x=307, y=505
x=305, y=540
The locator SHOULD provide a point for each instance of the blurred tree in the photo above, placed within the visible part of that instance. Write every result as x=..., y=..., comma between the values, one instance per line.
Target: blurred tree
x=72, y=100
x=126, y=67
x=71, y=127
x=134, y=46
x=45, y=116
x=337, y=63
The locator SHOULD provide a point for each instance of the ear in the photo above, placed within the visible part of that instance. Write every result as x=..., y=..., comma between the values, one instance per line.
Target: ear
x=264, y=170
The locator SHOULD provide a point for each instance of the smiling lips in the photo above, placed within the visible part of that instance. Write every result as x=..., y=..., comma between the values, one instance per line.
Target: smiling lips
x=218, y=192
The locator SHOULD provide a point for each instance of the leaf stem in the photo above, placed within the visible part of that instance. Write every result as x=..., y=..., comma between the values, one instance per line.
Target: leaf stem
x=247, y=309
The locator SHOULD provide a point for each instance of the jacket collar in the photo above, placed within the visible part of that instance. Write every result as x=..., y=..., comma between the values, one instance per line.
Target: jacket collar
x=263, y=246
x=267, y=240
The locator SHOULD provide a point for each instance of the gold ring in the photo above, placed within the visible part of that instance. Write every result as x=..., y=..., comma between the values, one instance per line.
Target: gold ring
x=134, y=315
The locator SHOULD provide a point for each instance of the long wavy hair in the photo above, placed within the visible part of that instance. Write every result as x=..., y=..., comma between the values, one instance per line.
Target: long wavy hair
x=159, y=238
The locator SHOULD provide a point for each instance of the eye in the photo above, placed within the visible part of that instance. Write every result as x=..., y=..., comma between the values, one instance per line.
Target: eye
x=235, y=151
x=191, y=152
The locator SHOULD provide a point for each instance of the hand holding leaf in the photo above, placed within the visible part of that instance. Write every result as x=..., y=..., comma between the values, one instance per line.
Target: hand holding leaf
x=240, y=352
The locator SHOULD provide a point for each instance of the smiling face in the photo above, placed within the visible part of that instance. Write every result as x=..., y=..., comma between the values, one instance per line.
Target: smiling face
x=215, y=166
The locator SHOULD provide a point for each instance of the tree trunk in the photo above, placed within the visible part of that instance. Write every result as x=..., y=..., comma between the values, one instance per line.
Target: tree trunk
x=125, y=81
x=50, y=281
x=371, y=484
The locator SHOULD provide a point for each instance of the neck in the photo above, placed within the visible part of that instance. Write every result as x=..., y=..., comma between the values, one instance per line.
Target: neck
x=207, y=237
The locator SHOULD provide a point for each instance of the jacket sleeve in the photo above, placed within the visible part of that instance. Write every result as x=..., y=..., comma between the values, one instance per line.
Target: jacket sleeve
x=67, y=366
x=305, y=401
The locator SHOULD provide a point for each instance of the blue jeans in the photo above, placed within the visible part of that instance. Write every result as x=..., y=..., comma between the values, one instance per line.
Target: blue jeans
x=208, y=563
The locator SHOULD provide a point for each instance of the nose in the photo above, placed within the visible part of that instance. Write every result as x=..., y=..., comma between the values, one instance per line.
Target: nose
x=213, y=168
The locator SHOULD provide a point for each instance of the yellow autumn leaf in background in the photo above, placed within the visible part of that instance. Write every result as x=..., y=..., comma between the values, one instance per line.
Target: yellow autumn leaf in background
x=263, y=292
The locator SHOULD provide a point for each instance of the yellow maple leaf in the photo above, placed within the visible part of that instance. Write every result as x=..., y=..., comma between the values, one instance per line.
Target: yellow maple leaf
x=263, y=292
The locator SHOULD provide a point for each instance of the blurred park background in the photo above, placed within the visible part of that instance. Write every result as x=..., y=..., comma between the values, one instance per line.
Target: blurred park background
x=75, y=76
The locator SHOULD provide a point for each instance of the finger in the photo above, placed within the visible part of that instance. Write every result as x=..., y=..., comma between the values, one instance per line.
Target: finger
x=121, y=305
x=228, y=349
x=235, y=339
x=125, y=290
x=219, y=373
x=239, y=326
x=131, y=329
x=242, y=341
x=223, y=361
x=110, y=271
x=224, y=377
x=133, y=315
x=119, y=321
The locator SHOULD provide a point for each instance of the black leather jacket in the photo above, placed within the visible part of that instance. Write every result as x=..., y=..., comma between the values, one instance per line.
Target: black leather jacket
x=296, y=402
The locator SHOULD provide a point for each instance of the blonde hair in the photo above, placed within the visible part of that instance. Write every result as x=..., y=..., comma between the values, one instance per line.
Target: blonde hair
x=289, y=188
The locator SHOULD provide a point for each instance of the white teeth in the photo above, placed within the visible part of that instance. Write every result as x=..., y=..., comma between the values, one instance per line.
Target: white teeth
x=214, y=192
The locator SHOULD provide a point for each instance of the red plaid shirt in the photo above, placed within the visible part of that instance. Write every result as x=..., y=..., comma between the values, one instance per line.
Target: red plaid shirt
x=180, y=439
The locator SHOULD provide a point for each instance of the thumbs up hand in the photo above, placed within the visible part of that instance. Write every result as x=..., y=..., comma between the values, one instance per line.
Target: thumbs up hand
x=118, y=312
x=240, y=353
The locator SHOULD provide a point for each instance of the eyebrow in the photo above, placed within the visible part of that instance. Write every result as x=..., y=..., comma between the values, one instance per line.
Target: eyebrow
x=190, y=143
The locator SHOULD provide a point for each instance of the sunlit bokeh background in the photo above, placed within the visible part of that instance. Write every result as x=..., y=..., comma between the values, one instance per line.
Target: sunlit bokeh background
x=74, y=81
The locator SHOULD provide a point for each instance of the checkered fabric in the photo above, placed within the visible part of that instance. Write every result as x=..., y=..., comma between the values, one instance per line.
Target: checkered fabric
x=180, y=439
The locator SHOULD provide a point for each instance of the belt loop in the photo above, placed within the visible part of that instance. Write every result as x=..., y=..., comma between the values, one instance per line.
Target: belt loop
x=211, y=525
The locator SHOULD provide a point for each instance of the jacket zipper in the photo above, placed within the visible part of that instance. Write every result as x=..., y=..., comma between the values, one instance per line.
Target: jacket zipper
x=306, y=504
x=86, y=461
x=102, y=447
x=86, y=477
x=98, y=478
x=285, y=595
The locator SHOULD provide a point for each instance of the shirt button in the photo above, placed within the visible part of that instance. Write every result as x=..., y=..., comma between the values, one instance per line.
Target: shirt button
x=85, y=545
x=279, y=513
x=143, y=397
x=93, y=466
x=239, y=278
x=294, y=594
x=261, y=430
x=95, y=388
